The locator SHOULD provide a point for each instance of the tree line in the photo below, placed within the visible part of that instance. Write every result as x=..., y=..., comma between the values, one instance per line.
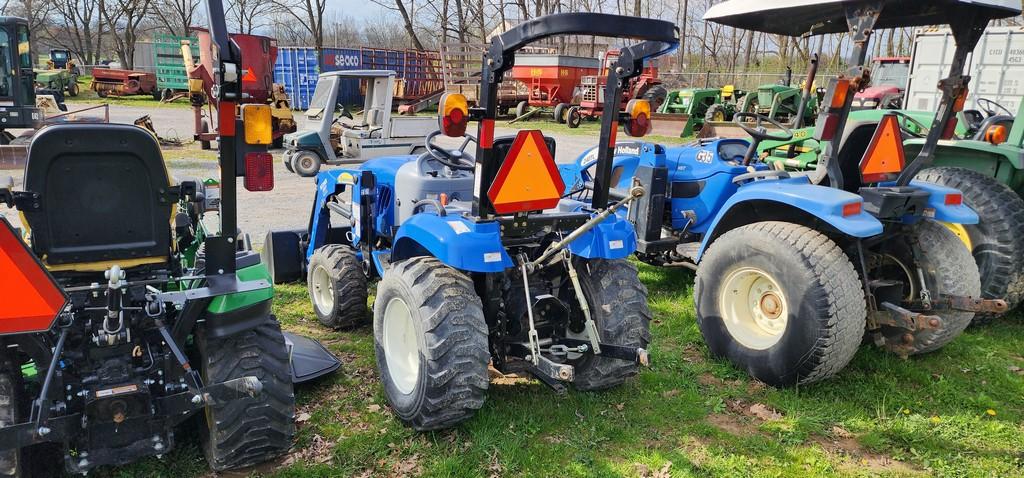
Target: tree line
x=108, y=29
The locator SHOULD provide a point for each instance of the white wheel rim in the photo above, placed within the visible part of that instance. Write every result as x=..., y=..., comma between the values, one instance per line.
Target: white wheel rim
x=401, y=349
x=306, y=162
x=322, y=288
x=754, y=308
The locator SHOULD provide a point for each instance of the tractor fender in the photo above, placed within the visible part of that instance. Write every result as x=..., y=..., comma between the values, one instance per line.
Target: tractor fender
x=612, y=238
x=952, y=213
x=328, y=183
x=454, y=240
x=821, y=202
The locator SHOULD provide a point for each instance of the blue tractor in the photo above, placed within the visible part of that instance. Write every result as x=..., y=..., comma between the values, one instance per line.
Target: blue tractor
x=792, y=275
x=479, y=259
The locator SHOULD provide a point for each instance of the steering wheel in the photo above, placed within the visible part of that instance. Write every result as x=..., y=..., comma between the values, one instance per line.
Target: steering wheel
x=922, y=129
x=990, y=107
x=455, y=159
x=759, y=133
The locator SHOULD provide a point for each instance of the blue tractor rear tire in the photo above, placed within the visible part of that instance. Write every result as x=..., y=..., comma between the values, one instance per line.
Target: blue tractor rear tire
x=781, y=301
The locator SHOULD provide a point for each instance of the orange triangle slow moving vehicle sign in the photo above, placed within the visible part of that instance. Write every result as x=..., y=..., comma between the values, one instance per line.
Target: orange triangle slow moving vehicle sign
x=528, y=179
x=884, y=155
x=30, y=299
x=249, y=77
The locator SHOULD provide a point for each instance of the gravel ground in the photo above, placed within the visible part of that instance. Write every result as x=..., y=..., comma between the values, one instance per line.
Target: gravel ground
x=288, y=205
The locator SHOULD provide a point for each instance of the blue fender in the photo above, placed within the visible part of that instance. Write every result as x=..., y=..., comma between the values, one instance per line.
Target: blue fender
x=822, y=202
x=454, y=240
x=612, y=238
x=957, y=214
x=327, y=183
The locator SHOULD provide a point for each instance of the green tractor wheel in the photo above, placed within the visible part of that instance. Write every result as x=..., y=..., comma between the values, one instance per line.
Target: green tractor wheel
x=997, y=241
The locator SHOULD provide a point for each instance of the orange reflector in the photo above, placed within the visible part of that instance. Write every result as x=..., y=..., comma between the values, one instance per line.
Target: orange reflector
x=454, y=111
x=528, y=179
x=839, y=94
x=885, y=153
x=954, y=199
x=32, y=298
x=852, y=209
x=996, y=134
x=443, y=199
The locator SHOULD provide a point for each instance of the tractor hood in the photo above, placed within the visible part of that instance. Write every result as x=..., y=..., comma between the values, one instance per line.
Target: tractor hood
x=816, y=17
x=877, y=92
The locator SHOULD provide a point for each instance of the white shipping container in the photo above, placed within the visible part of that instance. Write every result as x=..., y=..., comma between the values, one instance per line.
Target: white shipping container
x=996, y=67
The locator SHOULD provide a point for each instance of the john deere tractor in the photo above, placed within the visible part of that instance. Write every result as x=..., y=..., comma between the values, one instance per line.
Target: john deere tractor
x=123, y=315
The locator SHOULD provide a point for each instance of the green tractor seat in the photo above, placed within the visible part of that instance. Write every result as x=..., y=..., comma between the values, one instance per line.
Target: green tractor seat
x=104, y=198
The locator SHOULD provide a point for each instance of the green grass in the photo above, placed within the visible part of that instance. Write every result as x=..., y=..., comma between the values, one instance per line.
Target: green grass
x=86, y=95
x=688, y=415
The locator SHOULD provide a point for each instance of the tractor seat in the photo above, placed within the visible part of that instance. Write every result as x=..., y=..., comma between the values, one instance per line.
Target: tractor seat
x=103, y=197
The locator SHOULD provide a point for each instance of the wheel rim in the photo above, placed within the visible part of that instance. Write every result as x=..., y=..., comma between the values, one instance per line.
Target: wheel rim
x=322, y=289
x=305, y=162
x=401, y=351
x=961, y=233
x=754, y=308
x=891, y=267
x=719, y=116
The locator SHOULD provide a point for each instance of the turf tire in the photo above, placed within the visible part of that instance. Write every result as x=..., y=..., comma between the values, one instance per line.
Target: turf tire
x=825, y=302
x=451, y=336
x=251, y=430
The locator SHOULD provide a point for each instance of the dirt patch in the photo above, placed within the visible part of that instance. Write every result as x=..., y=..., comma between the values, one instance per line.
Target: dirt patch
x=692, y=354
x=708, y=380
x=733, y=424
x=856, y=457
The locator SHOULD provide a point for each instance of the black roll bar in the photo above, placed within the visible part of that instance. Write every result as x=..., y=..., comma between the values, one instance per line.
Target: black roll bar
x=658, y=37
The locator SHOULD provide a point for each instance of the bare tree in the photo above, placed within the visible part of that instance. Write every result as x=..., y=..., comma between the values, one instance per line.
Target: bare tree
x=123, y=18
x=176, y=15
x=78, y=27
x=248, y=16
x=407, y=18
x=310, y=14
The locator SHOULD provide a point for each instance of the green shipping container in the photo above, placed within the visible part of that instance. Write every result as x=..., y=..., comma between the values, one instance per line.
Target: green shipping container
x=170, y=66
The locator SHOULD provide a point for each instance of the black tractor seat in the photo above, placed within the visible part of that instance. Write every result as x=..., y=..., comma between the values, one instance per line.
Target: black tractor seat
x=104, y=197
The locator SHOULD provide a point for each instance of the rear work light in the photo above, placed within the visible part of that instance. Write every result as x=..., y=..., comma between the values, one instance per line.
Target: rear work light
x=259, y=171
x=454, y=115
x=638, y=118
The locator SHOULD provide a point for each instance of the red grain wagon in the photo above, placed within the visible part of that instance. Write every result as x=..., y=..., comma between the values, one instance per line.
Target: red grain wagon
x=552, y=80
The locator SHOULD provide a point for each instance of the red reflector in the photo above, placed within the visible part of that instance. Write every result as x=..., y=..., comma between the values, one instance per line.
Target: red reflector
x=950, y=129
x=852, y=208
x=615, y=132
x=226, y=118
x=874, y=178
x=829, y=127
x=487, y=134
x=955, y=199
x=259, y=171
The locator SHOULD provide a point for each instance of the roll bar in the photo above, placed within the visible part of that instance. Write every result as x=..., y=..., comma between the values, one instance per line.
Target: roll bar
x=657, y=37
x=220, y=248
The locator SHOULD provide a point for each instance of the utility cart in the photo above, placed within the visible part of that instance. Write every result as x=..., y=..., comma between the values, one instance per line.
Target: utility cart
x=336, y=136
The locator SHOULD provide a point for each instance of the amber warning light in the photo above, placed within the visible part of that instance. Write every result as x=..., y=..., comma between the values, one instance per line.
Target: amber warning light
x=454, y=111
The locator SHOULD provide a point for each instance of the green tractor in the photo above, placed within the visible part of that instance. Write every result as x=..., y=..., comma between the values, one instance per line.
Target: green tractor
x=982, y=157
x=696, y=106
x=60, y=75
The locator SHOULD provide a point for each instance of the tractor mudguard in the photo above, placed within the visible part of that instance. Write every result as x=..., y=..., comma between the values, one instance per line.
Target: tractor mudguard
x=454, y=240
x=952, y=213
x=613, y=238
x=233, y=313
x=821, y=202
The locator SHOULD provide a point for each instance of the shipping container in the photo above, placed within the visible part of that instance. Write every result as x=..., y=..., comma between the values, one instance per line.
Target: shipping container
x=418, y=73
x=169, y=65
x=996, y=67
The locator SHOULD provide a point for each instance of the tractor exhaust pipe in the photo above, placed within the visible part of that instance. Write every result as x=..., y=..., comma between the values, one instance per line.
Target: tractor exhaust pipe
x=805, y=97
